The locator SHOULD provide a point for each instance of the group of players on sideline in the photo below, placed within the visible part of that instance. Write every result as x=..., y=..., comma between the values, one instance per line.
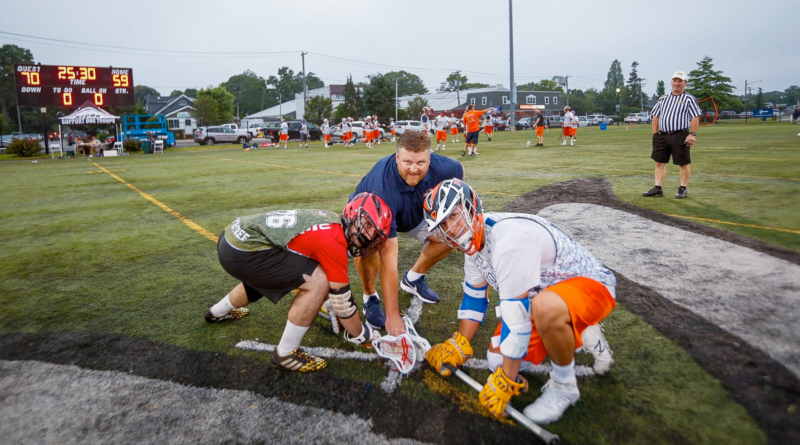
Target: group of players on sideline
x=552, y=292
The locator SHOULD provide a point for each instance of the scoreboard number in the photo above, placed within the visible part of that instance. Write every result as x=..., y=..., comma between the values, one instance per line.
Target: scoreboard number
x=66, y=86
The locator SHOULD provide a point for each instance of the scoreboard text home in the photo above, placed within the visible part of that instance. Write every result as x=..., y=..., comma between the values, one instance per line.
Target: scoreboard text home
x=71, y=86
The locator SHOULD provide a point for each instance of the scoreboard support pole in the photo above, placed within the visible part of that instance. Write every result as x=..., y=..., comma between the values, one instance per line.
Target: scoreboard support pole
x=45, y=132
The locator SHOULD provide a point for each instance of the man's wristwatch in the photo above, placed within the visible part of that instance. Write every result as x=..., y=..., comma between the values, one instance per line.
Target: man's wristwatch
x=693, y=134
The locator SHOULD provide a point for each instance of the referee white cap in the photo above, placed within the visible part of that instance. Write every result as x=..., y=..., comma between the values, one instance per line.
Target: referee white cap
x=680, y=75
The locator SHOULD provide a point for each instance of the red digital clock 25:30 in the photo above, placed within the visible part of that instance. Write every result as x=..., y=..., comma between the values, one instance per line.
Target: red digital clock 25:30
x=71, y=86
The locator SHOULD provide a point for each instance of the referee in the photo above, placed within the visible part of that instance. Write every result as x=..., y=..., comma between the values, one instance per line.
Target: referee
x=675, y=120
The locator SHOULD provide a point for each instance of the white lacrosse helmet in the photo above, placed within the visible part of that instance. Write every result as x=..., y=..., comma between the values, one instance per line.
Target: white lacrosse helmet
x=324, y=120
x=455, y=197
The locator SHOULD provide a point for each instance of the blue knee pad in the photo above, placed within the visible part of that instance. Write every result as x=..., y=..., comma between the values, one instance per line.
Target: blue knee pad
x=516, y=330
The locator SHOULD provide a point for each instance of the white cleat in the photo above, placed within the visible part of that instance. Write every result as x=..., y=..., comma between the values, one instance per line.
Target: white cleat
x=564, y=143
x=571, y=143
x=596, y=344
x=555, y=399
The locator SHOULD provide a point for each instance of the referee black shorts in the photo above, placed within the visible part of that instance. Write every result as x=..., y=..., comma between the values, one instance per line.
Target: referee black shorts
x=270, y=273
x=671, y=144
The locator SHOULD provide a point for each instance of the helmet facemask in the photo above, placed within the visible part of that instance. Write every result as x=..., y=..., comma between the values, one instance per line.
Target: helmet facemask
x=453, y=213
x=366, y=221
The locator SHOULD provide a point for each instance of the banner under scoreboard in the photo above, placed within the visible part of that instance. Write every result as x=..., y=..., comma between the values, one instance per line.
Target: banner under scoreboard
x=71, y=86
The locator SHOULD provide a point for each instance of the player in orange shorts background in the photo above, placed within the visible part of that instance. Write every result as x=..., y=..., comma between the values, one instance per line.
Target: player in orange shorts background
x=441, y=121
x=454, y=127
x=489, y=127
x=567, y=124
x=552, y=291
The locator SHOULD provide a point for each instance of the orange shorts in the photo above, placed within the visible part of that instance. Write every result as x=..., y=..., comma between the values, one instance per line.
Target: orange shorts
x=376, y=135
x=488, y=129
x=588, y=301
x=347, y=136
x=454, y=131
x=569, y=131
x=441, y=135
x=327, y=137
x=392, y=133
x=284, y=137
x=539, y=131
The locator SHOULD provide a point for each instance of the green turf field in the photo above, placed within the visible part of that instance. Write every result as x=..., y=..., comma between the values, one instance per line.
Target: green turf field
x=84, y=252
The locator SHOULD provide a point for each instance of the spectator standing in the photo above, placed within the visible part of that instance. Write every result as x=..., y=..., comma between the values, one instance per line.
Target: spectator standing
x=539, y=125
x=304, y=133
x=796, y=116
x=676, y=117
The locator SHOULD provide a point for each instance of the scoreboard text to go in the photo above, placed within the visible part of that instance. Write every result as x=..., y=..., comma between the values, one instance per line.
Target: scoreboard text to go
x=56, y=85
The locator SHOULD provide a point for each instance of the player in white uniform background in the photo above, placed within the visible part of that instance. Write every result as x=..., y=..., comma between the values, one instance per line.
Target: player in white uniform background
x=454, y=127
x=552, y=292
x=391, y=127
x=326, y=131
x=567, y=124
x=376, y=128
x=575, y=124
x=284, y=134
x=441, y=122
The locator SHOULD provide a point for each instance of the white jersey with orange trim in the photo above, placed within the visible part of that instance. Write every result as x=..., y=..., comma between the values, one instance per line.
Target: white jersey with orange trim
x=526, y=253
x=326, y=129
x=453, y=122
x=575, y=121
x=441, y=123
x=568, y=119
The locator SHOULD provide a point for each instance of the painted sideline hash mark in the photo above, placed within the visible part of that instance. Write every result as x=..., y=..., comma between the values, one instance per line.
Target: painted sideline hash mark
x=736, y=224
x=194, y=226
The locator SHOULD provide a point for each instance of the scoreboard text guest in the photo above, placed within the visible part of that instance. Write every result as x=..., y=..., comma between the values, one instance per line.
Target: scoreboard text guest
x=67, y=86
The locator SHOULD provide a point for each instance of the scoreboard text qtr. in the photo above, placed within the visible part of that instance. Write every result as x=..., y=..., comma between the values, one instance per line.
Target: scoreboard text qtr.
x=71, y=86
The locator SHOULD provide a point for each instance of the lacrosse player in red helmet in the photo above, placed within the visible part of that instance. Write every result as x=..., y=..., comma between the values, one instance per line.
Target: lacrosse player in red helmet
x=276, y=252
x=551, y=291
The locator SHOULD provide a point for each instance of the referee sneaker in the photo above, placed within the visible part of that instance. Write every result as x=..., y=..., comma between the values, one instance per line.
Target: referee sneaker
x=675, y=120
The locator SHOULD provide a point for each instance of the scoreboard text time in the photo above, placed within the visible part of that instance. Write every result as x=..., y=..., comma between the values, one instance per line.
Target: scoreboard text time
x=71, y=86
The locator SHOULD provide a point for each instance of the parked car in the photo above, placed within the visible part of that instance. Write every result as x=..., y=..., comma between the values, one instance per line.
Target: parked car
x=555, y=121
x=524, y=123
x=597, y=119
x=358, y=130
x=400, y=127
x=501, y=125
x=637, y=118
x=747, y=114
x=583, y=122
x=214, y=135
x=729, y=115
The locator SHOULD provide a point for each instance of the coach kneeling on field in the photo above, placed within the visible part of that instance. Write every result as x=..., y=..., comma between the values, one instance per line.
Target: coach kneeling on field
x=673, y=116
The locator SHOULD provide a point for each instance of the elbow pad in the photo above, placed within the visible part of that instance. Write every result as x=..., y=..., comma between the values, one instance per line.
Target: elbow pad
x=342, y=302
x=517, y=327
x=474, y=304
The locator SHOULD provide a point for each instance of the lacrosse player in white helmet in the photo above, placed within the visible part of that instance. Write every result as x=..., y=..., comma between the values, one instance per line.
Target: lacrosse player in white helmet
x=551, y=290
x=326, y=131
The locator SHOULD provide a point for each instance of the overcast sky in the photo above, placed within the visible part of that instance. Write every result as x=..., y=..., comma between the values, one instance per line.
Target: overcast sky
x=752, y=40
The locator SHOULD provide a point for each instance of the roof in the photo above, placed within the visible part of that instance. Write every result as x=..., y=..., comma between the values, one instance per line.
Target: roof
x=285, y=108
x=174, y=100
x=447, y=100
x=88, y=113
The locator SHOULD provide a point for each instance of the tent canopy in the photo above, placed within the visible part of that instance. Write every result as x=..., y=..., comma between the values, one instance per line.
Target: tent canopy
x=88, y=113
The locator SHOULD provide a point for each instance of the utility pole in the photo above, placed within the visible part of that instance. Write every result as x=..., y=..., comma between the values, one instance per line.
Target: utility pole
x=395, y=99
x=303, y=55
x=513, y=89
x=566, y=84
x=641, y=99
x=458, y=87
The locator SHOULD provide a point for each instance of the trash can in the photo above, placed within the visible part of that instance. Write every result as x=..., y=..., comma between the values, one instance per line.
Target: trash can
x=603, y=126
x=146, y=146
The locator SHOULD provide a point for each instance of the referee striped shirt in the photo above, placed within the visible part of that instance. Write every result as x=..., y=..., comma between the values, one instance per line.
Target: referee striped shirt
x=675, y=113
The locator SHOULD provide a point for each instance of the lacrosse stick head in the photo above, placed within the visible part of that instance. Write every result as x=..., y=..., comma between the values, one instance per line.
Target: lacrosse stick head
x=528, y=144
x=400, y=350
x=422, y=345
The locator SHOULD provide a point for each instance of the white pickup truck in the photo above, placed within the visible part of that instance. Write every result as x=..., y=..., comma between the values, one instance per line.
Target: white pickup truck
x=251, y=132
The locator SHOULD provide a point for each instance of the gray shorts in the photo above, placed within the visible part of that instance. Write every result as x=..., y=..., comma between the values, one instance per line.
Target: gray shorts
x=420, y=232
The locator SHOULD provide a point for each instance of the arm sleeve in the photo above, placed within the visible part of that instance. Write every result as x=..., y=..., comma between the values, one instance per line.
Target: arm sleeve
x=656, y=111
x=694, y=108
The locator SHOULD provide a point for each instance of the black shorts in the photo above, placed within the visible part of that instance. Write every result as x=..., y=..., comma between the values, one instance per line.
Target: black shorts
x=303, y=136
x=270, y=273
x=472, y=137
x=665, y=145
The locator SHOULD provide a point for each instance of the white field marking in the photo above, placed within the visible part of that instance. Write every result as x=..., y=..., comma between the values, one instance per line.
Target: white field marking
x=529, y=368
x=251, y=345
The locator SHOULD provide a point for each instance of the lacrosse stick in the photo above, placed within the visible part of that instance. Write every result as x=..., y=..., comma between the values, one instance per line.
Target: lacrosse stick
x=546, y=436
x=327, y=313
x=533, y=130
x=399, y=350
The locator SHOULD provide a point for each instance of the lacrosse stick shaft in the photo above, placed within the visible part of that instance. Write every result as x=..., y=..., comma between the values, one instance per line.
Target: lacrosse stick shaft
x=546, y=436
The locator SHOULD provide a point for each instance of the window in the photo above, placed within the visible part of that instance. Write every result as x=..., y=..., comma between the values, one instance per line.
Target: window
x=188, y=122
x=483, y=100
x=173, y=123
x=547, y=100
x=472, y=101
x=530, y=99
x=555, y=100
x=182, y=102
x=505, y=100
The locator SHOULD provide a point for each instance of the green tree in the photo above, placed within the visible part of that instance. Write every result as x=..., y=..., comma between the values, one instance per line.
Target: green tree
x=9, y=55
x=214, y=105
x=705, y=82
x=415, y=106
x=379, y=96
x=249, y=91
x=455, y=81
x=660, y=90
x=190, y=92
x=175, y=93
x=407, y=83
x=791, y=96
x=542, y=85
x=634, y=94
x=353, y=103
x=614, y=79
x=318, y=108
x=759, y=99
x=140, y=91
x=287, y=83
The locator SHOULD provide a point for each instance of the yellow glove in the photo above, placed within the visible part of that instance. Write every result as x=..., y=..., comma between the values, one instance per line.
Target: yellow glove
x=455, y=351
x=498, y=391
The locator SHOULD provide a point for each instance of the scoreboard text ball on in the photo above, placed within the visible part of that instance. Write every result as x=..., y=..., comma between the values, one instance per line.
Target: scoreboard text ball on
x=71, y=86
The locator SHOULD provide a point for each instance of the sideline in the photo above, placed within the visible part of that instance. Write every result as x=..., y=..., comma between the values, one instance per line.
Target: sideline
x=194, y=226
x=735, y=224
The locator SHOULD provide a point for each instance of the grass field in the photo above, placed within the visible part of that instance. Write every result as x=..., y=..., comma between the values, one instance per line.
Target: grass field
x=83, y=251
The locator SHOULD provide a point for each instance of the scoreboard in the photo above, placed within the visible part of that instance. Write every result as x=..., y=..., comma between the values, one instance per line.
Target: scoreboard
x=71, y=86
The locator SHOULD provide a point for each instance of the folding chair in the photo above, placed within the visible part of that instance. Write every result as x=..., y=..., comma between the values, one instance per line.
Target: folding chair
x=56, y=147
x=118, y=146
x=158, y=146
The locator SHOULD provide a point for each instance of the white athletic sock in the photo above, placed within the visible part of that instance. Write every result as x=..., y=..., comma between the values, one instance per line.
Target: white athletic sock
x=442, y=146
x=291, y=338
x=365, y=297
x=565, y=374
x=223, y=307
x=413, y=276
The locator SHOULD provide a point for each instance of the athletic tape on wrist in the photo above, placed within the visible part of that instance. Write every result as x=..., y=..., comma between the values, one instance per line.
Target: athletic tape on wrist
x=516, y=327
x=342, y=302
x=474, y=304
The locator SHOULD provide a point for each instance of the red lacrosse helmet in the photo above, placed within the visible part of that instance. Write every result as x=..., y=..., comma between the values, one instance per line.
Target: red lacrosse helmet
x=446, y=205
x=364, y=212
